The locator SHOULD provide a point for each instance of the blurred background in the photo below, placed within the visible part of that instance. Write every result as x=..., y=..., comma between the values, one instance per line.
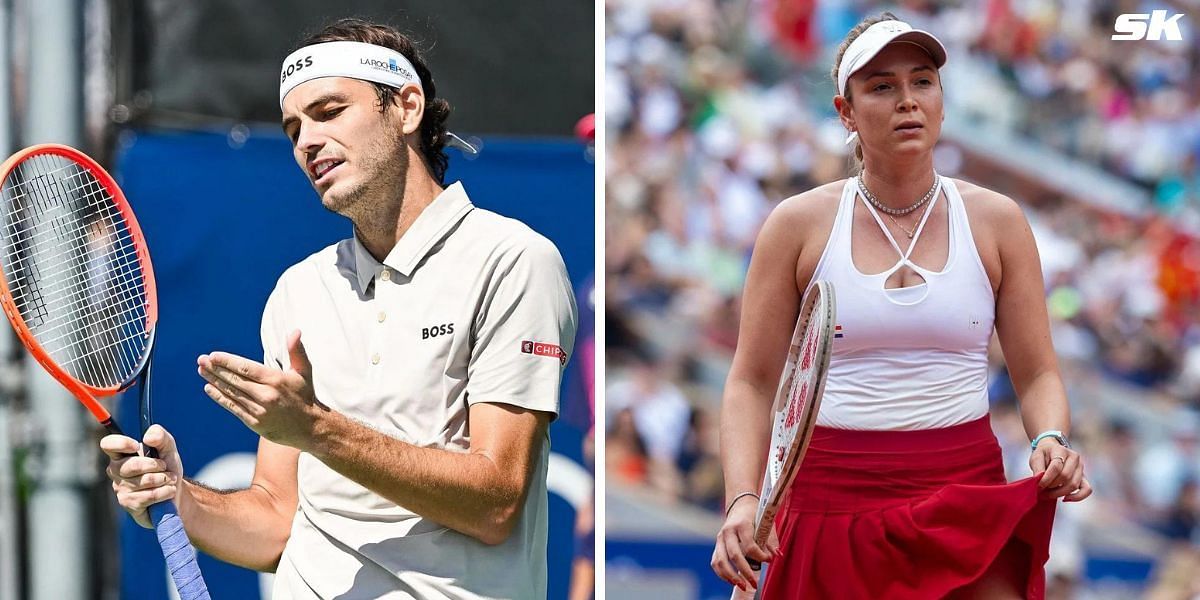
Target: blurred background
x=179, y=101
x=719, y=109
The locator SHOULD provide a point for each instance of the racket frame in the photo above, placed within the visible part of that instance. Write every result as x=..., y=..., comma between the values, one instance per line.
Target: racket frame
x=86, y=394
x=819, y=297
x=178, y=551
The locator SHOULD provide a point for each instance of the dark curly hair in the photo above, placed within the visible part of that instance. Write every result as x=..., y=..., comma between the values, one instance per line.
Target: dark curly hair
x=433, y=125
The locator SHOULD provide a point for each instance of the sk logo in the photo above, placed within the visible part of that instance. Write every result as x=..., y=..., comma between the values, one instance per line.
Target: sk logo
x=1132, y=26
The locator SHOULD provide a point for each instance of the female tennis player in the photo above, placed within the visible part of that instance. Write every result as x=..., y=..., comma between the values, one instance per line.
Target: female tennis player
x=902, y=493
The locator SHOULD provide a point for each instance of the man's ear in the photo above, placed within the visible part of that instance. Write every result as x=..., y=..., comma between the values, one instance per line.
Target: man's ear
x=410, y=101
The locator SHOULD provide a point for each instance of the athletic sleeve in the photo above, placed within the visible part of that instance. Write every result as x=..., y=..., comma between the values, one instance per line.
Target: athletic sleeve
x=274, y=355
x=524, y=331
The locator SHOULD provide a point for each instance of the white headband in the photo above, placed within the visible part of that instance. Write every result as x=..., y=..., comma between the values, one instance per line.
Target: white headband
x=356, y=60
x=874, y=38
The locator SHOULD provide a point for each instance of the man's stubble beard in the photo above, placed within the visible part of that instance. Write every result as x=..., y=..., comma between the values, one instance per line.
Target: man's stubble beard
x=374, y=202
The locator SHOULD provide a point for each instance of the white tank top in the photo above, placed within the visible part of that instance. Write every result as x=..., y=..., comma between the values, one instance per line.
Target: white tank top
x=913, y=357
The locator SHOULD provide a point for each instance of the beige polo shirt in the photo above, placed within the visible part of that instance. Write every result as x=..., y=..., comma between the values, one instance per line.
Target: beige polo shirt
x=468, y=307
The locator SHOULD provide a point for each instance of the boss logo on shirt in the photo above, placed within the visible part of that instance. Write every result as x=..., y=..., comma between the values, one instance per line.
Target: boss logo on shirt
x=543, y=349
x=436, y=330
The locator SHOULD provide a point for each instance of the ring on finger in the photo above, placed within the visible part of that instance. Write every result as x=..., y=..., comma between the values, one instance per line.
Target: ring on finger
x=1059, y=458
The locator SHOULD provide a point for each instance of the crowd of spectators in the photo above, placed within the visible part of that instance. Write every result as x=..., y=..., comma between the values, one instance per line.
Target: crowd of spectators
x=716, y=110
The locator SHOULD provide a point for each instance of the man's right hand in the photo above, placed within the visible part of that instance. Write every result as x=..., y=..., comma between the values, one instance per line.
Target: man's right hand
x=140, y=481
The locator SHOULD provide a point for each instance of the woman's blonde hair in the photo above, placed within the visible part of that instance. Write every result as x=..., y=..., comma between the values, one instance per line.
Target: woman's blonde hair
x=849, y=39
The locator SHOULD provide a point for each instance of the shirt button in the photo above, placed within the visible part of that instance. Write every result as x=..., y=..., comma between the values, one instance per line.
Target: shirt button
x=386, y=275
x=382, y=316
x=375, y=358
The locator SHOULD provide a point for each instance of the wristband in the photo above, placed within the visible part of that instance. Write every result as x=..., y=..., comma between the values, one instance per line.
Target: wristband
x=1058, y=436
x=738, y=497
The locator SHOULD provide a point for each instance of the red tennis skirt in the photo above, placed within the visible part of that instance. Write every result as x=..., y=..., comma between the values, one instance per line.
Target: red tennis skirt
x=905, y=515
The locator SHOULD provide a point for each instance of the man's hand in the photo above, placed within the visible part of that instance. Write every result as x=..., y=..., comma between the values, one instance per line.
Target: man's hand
x=140, y=481
x=279, y=405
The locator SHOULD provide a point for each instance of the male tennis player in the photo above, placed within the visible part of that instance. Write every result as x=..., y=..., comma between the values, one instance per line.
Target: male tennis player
x=410, y=372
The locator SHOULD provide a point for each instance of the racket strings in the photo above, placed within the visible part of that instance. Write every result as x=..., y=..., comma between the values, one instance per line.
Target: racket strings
x=72, y=276
x=110, y=325
x=19, y=225
x=126, y=255
x=801, y=371
x=115, y=319
x=23, y=234
x=74, y=236
x=127, y=261
x=51, y=342
x=73, y=270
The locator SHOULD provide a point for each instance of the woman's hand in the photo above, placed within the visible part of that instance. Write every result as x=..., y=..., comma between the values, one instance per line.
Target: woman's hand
x=735, y=544
x=1063, y=471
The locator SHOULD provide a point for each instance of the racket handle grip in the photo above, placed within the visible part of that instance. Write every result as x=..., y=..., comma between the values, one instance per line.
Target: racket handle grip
x=177, y=549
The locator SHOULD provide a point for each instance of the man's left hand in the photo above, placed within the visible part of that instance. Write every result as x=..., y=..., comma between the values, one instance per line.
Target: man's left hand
x=279, y=405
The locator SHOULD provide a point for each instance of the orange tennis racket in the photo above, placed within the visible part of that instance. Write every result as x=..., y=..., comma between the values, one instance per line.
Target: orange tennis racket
x=78, y=287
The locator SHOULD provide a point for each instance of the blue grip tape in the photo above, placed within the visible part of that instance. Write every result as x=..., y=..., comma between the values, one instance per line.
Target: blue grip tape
x=179, y=552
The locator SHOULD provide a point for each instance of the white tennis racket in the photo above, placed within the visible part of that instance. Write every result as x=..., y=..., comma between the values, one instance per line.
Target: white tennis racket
x=795, y=409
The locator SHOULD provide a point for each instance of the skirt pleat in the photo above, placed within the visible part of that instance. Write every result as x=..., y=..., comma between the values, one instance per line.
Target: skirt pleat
x=905, y=515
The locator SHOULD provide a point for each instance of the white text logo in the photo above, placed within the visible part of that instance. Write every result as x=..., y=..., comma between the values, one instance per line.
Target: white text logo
x=1133, y=26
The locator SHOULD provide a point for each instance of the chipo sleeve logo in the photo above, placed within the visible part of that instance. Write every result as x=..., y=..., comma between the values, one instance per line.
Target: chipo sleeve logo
x=544, y=349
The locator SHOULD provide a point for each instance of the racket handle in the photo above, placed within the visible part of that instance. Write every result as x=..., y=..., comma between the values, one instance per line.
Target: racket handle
x=179, y=552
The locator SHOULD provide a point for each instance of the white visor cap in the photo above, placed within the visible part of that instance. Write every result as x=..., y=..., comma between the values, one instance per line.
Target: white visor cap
x=355, y=60
x=874, y=38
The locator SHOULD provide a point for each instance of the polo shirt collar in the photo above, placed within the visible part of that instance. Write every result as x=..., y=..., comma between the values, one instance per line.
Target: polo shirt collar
x=430, y=227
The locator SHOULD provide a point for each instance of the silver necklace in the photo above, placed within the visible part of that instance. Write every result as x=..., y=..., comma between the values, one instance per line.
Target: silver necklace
x=862, y=186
